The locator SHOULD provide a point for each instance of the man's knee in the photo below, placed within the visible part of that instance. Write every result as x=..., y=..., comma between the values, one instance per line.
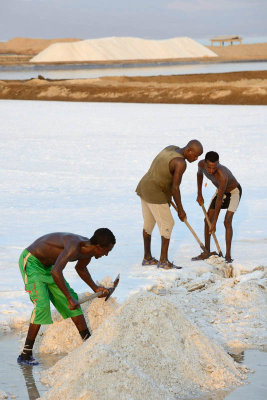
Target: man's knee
x=166, y=229
x=228, y=222
x=148, y=228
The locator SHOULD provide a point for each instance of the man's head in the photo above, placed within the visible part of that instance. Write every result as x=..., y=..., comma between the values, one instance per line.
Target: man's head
x=211, y=162
x=193, y=150
x=103, y=241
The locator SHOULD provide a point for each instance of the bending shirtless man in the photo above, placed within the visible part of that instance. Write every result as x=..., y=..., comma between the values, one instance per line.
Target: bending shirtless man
x=41, y=266
x=227, y=196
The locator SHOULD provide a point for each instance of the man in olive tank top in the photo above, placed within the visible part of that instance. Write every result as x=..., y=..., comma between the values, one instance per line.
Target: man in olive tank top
x=156, y=188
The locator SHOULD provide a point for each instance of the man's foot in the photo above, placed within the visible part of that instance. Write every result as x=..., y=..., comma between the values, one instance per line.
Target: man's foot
x=228, y=260
x=167, y=265
x=202, y=256
x=152, y=261
x=31, y=361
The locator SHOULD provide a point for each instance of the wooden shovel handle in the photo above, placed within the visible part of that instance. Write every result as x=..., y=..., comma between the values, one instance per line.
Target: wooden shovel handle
x=213, y=233
x=192, y=231
x=91, y=297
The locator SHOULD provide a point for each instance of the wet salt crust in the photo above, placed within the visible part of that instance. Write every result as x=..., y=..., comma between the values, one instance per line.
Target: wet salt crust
x=146, y=346
x=232, y=311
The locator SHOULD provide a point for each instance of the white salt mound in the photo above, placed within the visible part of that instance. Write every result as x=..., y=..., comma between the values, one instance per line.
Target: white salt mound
x=123, y=48
x=63, y=337
x=146, y=349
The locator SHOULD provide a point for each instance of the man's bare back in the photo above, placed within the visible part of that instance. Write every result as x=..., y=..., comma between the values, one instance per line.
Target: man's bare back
x=221, y=174
x=48, y=247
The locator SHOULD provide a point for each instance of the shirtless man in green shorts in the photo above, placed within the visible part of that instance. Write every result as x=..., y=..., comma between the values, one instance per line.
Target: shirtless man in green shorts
x=227, y=196
x=41, y=266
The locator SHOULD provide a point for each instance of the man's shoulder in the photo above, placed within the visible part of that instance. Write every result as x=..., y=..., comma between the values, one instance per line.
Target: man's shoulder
x=201, y=163
x=178, y=163
x=223, y=170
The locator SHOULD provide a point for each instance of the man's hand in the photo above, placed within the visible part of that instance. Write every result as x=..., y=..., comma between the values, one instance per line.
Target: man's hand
x=73, y=304
x=181, y=214
x=200, y=199
x=212, y=227
x=102, y=289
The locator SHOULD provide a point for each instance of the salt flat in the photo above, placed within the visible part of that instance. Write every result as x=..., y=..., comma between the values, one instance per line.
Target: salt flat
x=74, y=167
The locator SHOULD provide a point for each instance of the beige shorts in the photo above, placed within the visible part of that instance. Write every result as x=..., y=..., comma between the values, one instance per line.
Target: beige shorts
x=160, y=214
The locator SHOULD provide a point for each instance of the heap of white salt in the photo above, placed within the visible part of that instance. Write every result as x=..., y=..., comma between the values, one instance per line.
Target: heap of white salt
x=146, y=349
x=123, y=48
x=62, y=336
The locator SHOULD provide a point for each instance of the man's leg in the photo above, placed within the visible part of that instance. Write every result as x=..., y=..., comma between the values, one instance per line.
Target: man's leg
x=164, y=249
x=147, y=246
x=60, y=302
x=228, y=234
x=149, y=223
x=165, y=222
x=30, y=339
x=206, y=229
x=204, y=255
x=41, y=314
x=81, y=325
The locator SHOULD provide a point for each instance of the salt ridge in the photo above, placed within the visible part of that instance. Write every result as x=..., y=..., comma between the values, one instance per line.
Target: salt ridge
x=123, y=48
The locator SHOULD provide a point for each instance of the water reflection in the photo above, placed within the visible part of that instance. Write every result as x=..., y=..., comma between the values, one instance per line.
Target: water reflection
x=91, y=71
x=27, y=372
x=238, y=357
x=32, y=377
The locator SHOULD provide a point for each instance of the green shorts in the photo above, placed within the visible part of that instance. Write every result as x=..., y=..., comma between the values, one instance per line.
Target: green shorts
x=42, y=289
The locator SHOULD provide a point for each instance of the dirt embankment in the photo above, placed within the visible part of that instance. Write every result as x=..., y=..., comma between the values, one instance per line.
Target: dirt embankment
x=27, y=46
x=249, y=87
x=241, y=52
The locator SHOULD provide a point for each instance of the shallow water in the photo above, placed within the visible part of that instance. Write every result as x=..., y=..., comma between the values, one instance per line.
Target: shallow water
x=17, y=380
x=96, y=71
x=256, y=386
x=24, y=382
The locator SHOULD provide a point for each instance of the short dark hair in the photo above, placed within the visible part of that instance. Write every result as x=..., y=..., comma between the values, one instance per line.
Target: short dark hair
x=212, y=156
x=104, y=237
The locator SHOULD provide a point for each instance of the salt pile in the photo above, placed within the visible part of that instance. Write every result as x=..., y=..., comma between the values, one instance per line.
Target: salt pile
x=123, y=48
x=62, y=336
x=146, y=347
x=232, y=310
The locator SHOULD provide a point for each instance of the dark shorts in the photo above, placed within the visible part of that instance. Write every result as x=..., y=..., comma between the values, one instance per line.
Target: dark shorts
x=230, y=200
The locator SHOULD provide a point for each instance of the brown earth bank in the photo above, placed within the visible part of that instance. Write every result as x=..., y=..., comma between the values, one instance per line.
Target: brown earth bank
x=248, y=87
x=29, y=46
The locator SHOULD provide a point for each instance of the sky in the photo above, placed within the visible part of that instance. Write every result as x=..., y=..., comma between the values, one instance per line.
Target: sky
x=149, y=19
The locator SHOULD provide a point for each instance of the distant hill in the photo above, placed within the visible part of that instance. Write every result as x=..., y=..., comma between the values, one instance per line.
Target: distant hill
x=29, y=46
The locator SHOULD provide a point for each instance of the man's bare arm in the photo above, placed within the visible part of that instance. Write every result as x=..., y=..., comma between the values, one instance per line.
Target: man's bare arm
x=223, y=181
x=84, y=274
x=179, y=167
x=200, y=198
x=57, y=271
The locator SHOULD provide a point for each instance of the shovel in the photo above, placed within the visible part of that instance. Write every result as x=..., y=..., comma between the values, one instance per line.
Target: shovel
x=193, y=232
x=213, y=233
x=98, y=294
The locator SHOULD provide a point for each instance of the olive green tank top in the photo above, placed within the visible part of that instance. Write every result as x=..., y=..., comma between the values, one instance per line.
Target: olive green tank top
x=156, y=185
